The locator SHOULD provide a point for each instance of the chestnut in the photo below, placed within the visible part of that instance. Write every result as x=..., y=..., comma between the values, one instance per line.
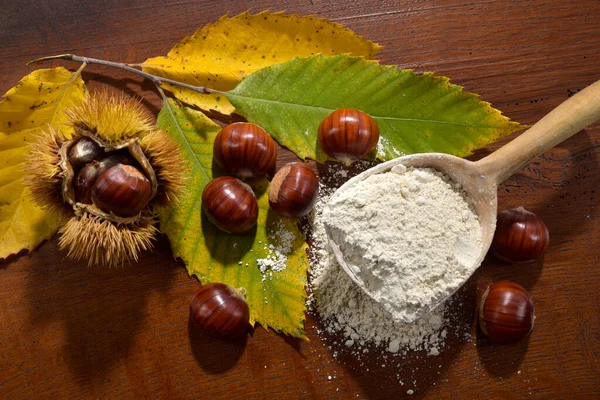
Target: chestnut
x=506, y=313
x=86, y=177
x=122, y=190
x=348, y=134
x=520, y=236
x=220, y=311
x=83, y=152
x=245, y=150
x=84, y=181
x=230, y=204
x=293, y=191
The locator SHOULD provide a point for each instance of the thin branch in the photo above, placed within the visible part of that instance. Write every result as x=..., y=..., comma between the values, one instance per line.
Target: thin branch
x=156, y=79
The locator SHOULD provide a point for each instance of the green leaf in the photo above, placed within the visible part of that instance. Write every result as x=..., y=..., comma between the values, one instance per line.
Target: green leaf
x=415, y=113
x=276, y=298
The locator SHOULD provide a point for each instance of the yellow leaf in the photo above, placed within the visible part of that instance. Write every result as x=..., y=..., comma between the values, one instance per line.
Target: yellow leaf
x=37, y=100
x=276, y=295
x=220, y=55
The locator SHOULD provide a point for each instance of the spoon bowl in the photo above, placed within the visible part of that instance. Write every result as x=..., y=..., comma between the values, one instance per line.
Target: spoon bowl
x=480, y=179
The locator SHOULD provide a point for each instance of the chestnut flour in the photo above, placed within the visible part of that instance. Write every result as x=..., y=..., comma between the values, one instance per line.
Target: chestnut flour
x=345, y=309
x=411, y=235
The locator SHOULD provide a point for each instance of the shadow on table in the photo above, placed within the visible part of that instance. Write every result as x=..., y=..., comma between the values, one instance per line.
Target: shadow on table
x=93, y=314
x=501, y=361
x=6, y=262
x=215, y=356
x=385, y=375
x=131, y=85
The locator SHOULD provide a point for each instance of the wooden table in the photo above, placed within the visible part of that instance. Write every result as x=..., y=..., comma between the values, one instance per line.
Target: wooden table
x=70, y=331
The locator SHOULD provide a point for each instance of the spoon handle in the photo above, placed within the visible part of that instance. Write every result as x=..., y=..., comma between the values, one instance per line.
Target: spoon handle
x=560, y=124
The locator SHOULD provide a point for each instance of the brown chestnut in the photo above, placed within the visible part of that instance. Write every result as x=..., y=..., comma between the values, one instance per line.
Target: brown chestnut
x=506, y=313
x=220, y=311
x=245, y=150
x=348, y=134
x=122, y=190
x=293, y=191
x=84, y=182
x=520, y=236
x=83, y=152
x=86, y=177
x=230, y=204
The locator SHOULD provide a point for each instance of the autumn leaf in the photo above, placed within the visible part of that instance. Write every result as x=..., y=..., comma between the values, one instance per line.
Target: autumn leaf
x=39, y=99
x=416, y=113
x=220, y=55
x=276, y=297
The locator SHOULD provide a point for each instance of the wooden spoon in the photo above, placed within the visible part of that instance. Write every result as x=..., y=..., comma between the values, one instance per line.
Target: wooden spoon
x=480, y=179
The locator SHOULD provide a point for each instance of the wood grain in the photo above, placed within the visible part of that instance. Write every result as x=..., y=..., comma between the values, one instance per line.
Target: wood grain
x=70, y=331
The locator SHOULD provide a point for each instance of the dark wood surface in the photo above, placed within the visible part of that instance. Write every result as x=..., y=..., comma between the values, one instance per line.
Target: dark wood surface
x=70, y=331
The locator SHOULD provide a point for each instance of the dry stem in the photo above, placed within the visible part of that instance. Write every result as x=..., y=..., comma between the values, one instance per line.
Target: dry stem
x=127, y=67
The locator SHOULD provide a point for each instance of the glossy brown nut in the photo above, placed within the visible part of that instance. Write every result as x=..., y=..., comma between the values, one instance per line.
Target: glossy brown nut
x=84, y=182
x=294, y=190
x=122, y=190
x=86, y=177
x=83, y=152
x=220, y=311
x=506, y=314
x=520, y=236
x=230, y=204
x=348, y=134
x=245, y=150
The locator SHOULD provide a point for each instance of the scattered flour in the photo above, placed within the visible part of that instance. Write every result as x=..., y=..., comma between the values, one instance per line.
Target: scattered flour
x=412, y=236
x=384, y=144
x=281, y=242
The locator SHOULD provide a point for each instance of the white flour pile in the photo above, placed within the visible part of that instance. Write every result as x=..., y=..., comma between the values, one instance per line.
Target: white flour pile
x=374, y=215
x=411, y=235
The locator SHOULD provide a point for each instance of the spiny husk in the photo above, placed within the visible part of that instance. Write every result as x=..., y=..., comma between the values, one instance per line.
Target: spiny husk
x=102, y=242
x=113, y=117
x=163, y=153
x=44, y=176
x=117, y=121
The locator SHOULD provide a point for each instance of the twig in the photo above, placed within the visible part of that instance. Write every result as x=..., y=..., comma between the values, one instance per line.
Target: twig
x=156, y=79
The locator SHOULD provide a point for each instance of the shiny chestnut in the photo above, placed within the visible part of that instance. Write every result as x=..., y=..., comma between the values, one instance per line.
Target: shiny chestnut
x=83, y=152
x=506, y=313
x=230, y=204
x=220, y=311
x=293, y=191
x=84, y=182
x=122, y=190
x=348, y=134
x=86, y=177
x=245, y=150
x=520, y=236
